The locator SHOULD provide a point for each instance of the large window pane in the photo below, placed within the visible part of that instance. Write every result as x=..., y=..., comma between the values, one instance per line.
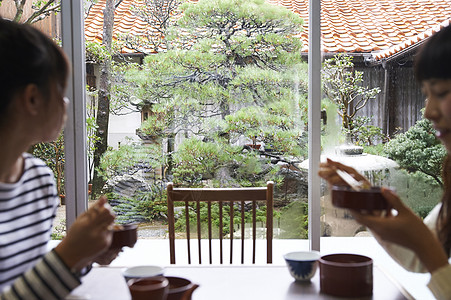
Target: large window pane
x=204, y=105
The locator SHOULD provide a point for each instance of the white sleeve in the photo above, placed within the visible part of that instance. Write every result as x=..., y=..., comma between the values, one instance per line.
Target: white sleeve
x=406, y=257
x=440, y=283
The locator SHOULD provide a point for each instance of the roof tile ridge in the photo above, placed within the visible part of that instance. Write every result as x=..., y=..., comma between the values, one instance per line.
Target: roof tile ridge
x=409, y=41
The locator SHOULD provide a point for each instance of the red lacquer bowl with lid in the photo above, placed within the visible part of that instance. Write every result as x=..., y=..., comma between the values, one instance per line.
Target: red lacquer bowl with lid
x=365, y=199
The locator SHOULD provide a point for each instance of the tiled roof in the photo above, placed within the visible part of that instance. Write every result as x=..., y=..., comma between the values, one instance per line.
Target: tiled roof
x=380, y=27
x=125, y=22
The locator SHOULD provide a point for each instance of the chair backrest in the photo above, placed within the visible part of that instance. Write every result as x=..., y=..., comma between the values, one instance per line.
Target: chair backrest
x=222, y=196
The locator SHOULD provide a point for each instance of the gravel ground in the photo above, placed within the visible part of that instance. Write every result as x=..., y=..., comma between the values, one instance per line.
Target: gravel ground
x=155, y=230
x=60, y=218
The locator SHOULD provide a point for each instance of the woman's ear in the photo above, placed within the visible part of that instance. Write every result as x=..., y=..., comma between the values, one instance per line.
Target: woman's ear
x=31, y=99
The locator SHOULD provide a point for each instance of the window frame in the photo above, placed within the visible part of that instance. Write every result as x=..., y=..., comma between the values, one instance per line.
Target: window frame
x=73, y=40
x=314, y=127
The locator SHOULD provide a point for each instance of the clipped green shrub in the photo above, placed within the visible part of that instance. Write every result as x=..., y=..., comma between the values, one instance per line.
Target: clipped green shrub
x=417, y=190
x=144, y=206
x=418, y=150
x=294, y=220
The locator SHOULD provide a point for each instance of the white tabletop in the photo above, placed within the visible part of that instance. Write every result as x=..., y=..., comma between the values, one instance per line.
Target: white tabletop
x=231, y=282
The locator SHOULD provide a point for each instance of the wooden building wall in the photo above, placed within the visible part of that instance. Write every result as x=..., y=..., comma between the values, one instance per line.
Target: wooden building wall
x=51, y=25
x=398, y=106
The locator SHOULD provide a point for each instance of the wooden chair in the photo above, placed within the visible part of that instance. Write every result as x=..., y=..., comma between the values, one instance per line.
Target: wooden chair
x=223, y=196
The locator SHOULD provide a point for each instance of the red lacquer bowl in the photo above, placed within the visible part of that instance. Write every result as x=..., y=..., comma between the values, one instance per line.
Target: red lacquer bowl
x=124, y=236
x=369, y=199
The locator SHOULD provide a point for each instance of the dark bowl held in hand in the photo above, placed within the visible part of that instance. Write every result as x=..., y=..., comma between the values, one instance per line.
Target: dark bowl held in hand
x=366, y=199
x=124, y=236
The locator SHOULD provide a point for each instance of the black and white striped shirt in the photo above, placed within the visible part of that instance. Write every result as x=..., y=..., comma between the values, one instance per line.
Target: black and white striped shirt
x=27, y=210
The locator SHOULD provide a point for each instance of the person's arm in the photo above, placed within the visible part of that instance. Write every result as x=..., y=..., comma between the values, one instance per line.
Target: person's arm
x=404, y=256
x=49, y=279
x=403, y=234
x=409, y=231
x=58, y=272
x=88, y=237
x=406, y=229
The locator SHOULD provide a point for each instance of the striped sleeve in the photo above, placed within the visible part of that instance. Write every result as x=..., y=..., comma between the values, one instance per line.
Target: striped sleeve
x=49, y=279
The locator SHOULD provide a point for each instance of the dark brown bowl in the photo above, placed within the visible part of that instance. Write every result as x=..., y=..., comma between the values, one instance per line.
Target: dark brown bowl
x=346, y=275
x=155, y=288
x=370, y=199
x=179, y=288
x=125, y=236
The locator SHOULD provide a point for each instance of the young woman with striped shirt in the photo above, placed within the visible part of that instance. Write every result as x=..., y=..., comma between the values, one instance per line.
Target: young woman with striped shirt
x=33, y=75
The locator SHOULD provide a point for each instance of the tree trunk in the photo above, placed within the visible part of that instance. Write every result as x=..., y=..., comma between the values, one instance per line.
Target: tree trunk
x=170, y=149
x=103, y=108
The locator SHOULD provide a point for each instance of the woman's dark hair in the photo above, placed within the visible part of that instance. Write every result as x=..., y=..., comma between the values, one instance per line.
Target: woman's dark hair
x=443, y=220
x=434, y=57
x=434, y=61
x=28, y=56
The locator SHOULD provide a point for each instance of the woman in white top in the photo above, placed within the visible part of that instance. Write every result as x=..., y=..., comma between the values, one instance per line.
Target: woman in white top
x=33, y=75
x=419, y=246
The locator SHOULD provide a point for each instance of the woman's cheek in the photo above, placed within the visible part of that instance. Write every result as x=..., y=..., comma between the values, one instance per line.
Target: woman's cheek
x=445, y=108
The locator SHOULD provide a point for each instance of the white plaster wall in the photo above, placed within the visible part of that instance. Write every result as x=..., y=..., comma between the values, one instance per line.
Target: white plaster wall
x=123, y=126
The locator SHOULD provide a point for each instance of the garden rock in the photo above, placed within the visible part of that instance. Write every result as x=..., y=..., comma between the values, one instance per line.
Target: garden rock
x=294, y=184
x=127, y=188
